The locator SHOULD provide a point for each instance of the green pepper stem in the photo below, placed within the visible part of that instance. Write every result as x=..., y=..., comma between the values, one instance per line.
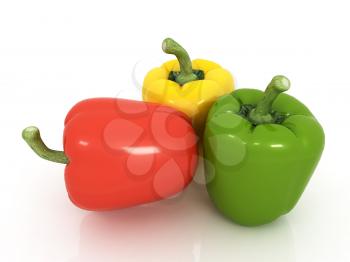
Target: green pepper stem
x=32, y=136
x=262, y=113
x=169, y=46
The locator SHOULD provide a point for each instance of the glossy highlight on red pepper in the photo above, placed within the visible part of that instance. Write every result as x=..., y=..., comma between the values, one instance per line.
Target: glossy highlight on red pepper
x=121, y=153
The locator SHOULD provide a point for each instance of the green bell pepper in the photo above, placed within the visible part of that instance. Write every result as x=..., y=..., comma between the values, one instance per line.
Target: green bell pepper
x=260, y=150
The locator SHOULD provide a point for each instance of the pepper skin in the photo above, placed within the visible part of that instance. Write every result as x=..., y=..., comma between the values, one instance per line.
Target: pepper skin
x=261, y=150
x=121, y=153
x=191, y=91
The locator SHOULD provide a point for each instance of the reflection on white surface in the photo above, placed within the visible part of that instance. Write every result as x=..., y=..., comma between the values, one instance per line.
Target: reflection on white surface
x=165, y=231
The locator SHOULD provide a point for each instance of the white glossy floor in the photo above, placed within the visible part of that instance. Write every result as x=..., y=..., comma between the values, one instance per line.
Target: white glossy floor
x=39, y=222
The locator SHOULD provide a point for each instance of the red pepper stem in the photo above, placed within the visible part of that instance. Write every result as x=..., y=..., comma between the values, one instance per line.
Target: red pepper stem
x=32, y=136
x=169, y=46
x=262, y=113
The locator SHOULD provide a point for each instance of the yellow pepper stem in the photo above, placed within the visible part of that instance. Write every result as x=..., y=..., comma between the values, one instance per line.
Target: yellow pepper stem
x=170, y=46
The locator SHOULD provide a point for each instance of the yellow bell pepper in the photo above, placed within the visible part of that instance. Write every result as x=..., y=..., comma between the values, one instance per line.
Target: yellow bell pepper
x=190, y=87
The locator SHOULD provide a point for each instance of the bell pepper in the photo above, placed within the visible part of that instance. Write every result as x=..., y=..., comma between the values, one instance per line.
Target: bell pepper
x=261, y=150
x=190, y=87
x=119, y=153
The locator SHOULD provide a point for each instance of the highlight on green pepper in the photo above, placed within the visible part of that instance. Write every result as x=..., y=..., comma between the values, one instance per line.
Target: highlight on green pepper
x=261, y=149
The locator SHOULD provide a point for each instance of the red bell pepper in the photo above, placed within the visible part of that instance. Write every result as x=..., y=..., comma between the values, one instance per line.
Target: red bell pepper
x=121, y=153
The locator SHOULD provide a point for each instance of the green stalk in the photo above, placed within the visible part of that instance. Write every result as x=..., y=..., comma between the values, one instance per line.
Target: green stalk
x=169, y=46
x=262, y=113
x=32, y=136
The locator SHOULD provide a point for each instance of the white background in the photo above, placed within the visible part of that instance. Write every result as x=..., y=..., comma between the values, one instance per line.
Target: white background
x=55, y=53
